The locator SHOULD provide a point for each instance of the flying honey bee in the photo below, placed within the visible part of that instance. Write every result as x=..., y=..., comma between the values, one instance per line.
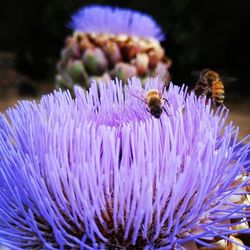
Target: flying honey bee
x=211, y=84
x=154, y=99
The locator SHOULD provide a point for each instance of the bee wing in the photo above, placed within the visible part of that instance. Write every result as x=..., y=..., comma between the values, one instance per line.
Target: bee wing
x=224, y=76
x=137, y=94
x=138, y=97
x=226, y=79
x=199, y=73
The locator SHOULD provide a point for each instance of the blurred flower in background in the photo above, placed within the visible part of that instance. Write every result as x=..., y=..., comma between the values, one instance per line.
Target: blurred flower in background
x=108, y=43
x=99, y=171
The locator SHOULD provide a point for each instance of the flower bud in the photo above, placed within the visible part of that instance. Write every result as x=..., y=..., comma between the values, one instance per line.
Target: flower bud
x=85, y=44
x=130, y=50
x=124, y=71
x=104, y=78
x=112, y=52
x=62, y=82
x=153, y=59
x=95, y=61
x=121, y=38
x=158, y=50
x=141, y=62
x=100, y=39
x=76, y=70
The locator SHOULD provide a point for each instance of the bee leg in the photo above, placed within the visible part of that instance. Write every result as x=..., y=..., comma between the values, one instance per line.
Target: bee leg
x=165, y=111
x=213, y=102
x=205, y=91
x=148, y=110
x=197, y=86
x=165, y=100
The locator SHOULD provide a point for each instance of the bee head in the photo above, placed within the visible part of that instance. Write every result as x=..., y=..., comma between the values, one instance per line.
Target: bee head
x=212, y=76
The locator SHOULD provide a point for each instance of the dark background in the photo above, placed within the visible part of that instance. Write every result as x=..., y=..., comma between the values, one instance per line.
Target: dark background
x=199, y=34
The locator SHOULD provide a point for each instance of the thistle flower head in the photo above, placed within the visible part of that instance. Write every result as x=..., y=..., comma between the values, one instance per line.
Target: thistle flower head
x=110, y=42
x=105, y=19
x=100, y=172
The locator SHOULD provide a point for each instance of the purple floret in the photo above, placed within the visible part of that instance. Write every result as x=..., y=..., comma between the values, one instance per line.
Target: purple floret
x=99, y=171
x=104, y=19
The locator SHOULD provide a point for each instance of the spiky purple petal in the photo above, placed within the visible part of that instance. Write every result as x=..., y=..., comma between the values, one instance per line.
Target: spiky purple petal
x=105, y=19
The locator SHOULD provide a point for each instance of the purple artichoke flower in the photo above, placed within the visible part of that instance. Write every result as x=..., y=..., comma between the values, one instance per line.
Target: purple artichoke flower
x=105, y=19
x=99, y=172
x=108, y=43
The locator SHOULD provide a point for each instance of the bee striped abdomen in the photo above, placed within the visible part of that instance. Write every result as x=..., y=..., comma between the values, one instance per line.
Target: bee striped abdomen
x=218, y=93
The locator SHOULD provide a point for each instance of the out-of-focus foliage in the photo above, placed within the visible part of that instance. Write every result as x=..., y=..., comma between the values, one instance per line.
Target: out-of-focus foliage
x=199, y=34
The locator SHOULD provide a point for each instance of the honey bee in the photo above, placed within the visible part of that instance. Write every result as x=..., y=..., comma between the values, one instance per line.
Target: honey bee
x=155, y=101
x=210, y=82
